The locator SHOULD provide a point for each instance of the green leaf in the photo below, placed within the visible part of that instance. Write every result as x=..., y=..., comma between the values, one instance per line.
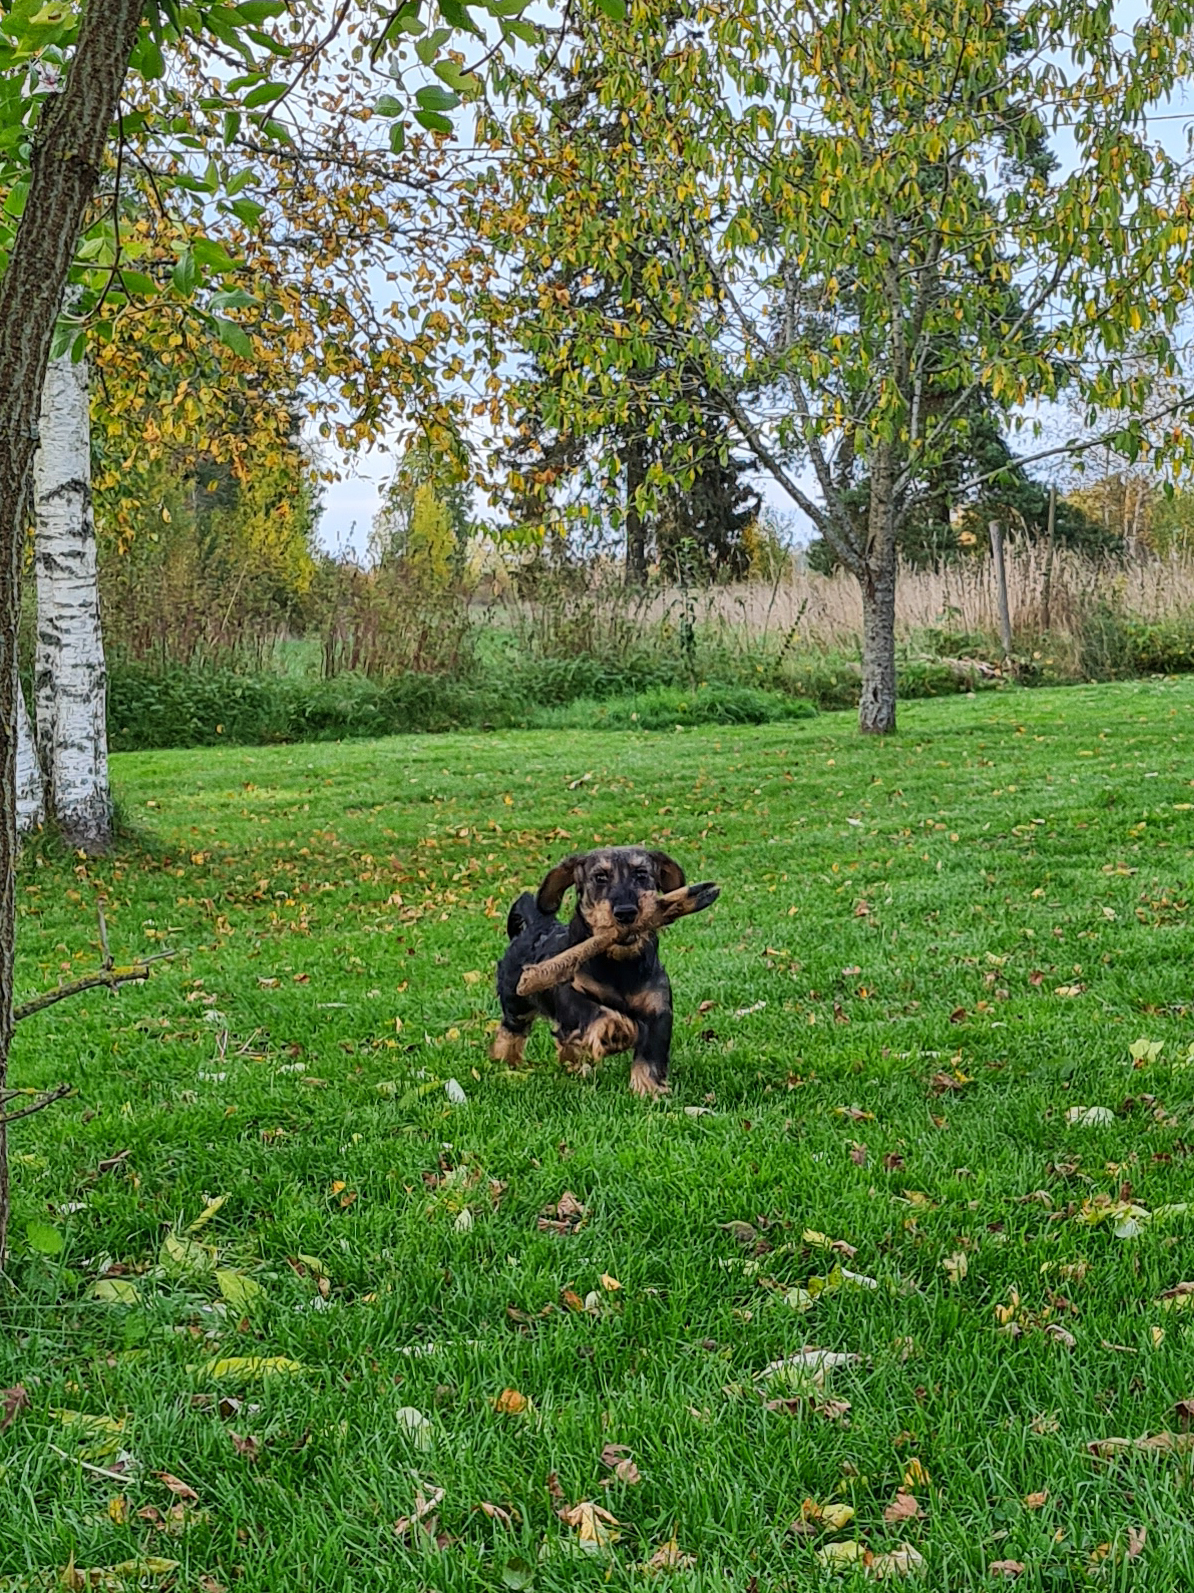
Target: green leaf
x=185, y=275
x=114, y=1291
x=186, y=1256
x=434, y=98
x=518, y=1574
x=233, y=336
x=44, y=1238
x=614, y=9
x=250, y=1368
x=247, y=210
x=397, y=137
x=390, y=105
x=264, y=94
x=433, y=121
x=241, y=1293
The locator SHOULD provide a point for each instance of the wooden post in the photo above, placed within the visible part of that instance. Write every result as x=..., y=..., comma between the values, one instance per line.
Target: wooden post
x=1047, y=584
x=1005, y=618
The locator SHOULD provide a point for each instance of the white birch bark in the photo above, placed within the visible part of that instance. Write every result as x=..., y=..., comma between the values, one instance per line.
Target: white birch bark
x=31, y=789
x=69, y=674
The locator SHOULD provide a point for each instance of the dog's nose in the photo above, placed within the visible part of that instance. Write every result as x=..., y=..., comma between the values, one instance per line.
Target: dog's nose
x=626, y=914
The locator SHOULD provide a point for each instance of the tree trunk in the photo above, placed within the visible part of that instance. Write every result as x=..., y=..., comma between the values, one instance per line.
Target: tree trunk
x=636, y=533
x=65, y=163
x=69, y=670
x=31, y=787
x=877, y=704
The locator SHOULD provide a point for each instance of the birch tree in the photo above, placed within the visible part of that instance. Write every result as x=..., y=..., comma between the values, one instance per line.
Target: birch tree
x=53, y=151
x=69, y=673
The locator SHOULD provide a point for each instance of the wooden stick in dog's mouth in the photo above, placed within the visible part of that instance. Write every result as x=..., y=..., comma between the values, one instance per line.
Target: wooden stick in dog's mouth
x=558, y=970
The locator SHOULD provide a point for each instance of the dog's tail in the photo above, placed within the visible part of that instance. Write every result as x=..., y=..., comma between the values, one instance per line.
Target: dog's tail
x=525, y=912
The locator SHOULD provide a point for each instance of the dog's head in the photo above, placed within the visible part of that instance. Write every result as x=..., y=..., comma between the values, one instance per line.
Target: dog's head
x=616, y=886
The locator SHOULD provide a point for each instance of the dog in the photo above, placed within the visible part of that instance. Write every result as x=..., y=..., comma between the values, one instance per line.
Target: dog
x=621, y=999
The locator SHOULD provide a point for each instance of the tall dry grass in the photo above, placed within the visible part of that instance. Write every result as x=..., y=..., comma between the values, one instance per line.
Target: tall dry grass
x=1044, y=594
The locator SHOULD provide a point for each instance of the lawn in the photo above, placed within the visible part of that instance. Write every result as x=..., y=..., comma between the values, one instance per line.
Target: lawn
x=930, y=956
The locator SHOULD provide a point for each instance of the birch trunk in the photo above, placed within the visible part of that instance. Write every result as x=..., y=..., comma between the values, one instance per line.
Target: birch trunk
x=31, y=788
x=69, y=675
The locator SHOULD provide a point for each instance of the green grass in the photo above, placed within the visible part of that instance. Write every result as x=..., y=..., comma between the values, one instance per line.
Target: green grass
x=891, y=911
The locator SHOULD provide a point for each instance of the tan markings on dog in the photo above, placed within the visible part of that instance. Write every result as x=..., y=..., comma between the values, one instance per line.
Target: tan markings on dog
x=649, y=1003
x=610, y=1032
x=508, y=1047
x=642, y=1083
x=598, y=914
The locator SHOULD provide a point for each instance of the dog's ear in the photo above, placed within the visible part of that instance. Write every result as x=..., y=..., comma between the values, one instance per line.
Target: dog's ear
x=562, y=876
x=668, y=872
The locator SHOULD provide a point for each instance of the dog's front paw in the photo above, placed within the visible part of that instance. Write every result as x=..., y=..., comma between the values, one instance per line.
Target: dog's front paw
x=643, y=1081
x=611, y=1032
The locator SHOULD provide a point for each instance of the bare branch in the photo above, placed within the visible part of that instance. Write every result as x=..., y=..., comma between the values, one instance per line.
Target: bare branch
x=108, y=978
x=45, y=1098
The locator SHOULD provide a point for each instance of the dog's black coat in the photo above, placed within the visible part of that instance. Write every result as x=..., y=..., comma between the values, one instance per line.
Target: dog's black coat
x=619, y=999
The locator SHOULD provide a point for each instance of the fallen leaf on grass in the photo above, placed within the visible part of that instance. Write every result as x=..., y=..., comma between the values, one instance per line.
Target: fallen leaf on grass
x=114, y=1291
x=118, y=1510
x=115, y=1578
x=827, y=1517
x=609, y=1284
x=617, y=1458
x=518, y=1574
x=12, y=1401
x=1069, y=990
x=915, y=1475
x=424, y=1505
x=1089, y=1116
x=495, y=1512
x=957, y=1080
x=176, y=1485
x=904, y=1507
x=1036, y=1501
x=416, y=1426
x=248, y=1447
x=858, y=1154
x=806, y=1369
x=902, y=1562
x=836, y=1556
x=1152, y=1444
x=1007, y=1568
x=592, y=1525
x=565, y=1217
x=205, y=1215
x=241, y=1293
x=956, y=1266
x=746, y=1235
x=855, y=1114
x=1060, y=1335
x=1136, y=1537
x=250, y=1367
x=670, y=1558
x=511, y=1403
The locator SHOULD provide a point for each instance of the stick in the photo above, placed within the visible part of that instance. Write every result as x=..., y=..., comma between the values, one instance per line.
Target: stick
x=559, y=970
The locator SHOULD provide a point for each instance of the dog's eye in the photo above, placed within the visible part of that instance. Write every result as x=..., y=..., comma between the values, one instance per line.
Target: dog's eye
x=601, y=878
x=643, y=876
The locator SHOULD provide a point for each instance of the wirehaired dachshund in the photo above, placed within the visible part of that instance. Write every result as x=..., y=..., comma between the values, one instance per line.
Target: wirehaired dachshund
x=620, y=999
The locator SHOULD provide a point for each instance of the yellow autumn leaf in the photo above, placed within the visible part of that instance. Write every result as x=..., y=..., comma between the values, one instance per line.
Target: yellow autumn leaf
x=250, y=1367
